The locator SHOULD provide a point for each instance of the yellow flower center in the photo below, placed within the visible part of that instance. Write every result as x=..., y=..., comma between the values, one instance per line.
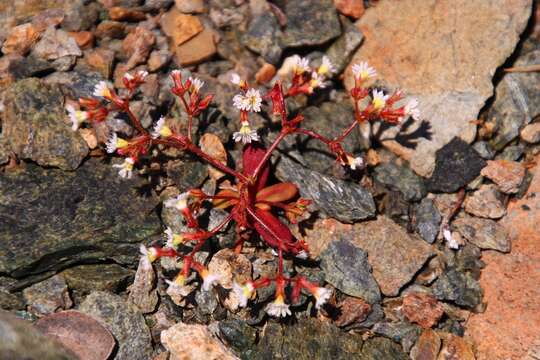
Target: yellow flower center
x=121, y=143
x=165, y=131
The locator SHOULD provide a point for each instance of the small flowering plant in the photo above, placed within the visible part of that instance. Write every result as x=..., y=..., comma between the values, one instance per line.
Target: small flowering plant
x=252, y=203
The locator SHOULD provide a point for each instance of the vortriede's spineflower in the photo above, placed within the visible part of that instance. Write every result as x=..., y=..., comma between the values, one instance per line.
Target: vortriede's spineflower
x=126, y=168
x=148, y=254
x=246, y=135
x=300, y=64
x=77, y=117
x=236, y=79
x=278, y=308
x=355, y=162
x=114, y=143
x=326, y=67
x=173, y=240
x=379, y=99
x=317, y=81
x=180, y=202
x=209, y=279
x=321, y=295
x=250, y=101
x=196, y=84
x=160, y=129
x=363, y=71
x=412, y=110
x=102, y=89
x=243, y=292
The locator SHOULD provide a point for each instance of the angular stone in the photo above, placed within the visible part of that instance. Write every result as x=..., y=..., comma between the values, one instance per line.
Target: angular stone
x=180, y=27
x=187, y=174
x=342, y=49
x=124, y=321
x=352, y=8
x=484, y=233
x=196, y=50
x=84, y=39
x=194, y=342
x=459, y=287
x=401, y=332
x=55, y=44
x=190, y=6
x=310, y=22
x=428, y=220
x=508, y=175
x=531, y=133
x=118, y=13
x=48, y=296
x=455, y=347
x=422, y=309
x=452, y=90
x=80, y=333
x=20, y=340
x=69, y=217
x=308, y=339
x=20, y=39
x=101, y=60
x=237, y=334
x=516, y=103
x=509, y=326
x=346, y=267
x=137, y=46
x=352, y=311
x=263, y=37
x=378, y=347
x=402, y=179
x=427, y=347
x=102, y=277
x=486, y=202
x=347, y=202
x=34, y=127
x=484, y=149
x=143, y=292
x=110, y=29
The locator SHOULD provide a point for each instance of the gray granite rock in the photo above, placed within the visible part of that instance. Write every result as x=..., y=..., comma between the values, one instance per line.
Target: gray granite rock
x=457, y=164
x=237, y=334
x=84, y=279
x=187, y=174
x=401, y=178
x=35, y=127
x=428, y=220
x=401, y=332
x=69, y=217
x=48, y=296
x=343, y=48
x=378, y=348
x=346, y=267
x=459, y=287
x=486, y=202
x=263, y=37
x=124, y=321
x=484, y=233
x=484, y=149
x=310, y=22
x=345, y=201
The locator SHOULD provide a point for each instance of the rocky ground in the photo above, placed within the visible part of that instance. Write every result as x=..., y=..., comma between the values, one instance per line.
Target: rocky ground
x=432, y=252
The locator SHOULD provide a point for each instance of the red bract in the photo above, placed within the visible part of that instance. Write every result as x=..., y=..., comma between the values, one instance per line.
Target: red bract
x=254, y=205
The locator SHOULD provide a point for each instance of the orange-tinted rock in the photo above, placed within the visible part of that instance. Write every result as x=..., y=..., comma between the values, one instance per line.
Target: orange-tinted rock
x=265, y=73
x=423, y=309
x=196, y=50
x=508, y=175
x=158, y=59
x=427, y=346
x=138, y=45
x=180, y=27
x=110, y=29
x=509, y=328
x=352, y=310
x=49, y=17
x=456, y=348
x=190, y=6
x=20, y=39
x=118, y=13
x=101, y=60
x=84, y=39
x=352, y=8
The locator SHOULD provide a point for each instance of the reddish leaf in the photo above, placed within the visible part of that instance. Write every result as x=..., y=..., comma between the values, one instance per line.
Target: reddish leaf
x=274, y=232
x=252, y=156
x=278, y=192
x=225, y=203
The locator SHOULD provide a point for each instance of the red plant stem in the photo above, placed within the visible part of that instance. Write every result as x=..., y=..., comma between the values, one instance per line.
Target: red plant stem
x=211, y=233
x=190, y=116
x=314, y=135
x=269, y=151
x=346, y=132
x=134, y=119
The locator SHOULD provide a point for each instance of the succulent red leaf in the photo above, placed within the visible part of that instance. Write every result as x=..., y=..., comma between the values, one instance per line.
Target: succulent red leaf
x=278, y=192
x=252, y=156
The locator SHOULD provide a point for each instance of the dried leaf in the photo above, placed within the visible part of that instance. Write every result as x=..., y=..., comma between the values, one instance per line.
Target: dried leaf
x=212, y=146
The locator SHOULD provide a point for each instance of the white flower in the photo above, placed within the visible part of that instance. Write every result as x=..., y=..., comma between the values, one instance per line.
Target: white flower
x=173, y=240
x=77, y=117
x=317, y=81
x=379, y=99
x=176, y=72
x=142, y=74
x=412, y=110
x=363, y=71
x=251, y=101
x=160, y=129
x=235, y=79
x=180, y=202
x=128, y=76
x=278, y=308
x=177, y=288
x=245, y=135
x=209, y=279
x=114, y=142
x=321, y=295
x=243, y=293
x=303, y=254
x=149, y=254
x=355, y=162
x=300, y=64
x=102, y=90
x=196, y=84
x=126, y=168
x=326, y=67
x=452, y=242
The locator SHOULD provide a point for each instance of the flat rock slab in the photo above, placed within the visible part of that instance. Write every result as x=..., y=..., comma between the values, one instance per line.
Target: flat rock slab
x=509, y=329
x=394, y=255
x=50, y=219
x=444, y=53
